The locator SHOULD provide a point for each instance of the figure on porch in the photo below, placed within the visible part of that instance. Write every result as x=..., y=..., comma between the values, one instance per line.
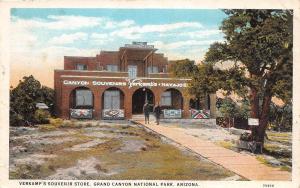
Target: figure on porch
x=146, y=110
x=157, y=112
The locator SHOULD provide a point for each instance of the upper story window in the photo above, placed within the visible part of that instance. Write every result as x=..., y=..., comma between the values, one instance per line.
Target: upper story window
x=81, y=67
x=132, y=71
x=112, y=68
x=165, y=69
x=153, y=69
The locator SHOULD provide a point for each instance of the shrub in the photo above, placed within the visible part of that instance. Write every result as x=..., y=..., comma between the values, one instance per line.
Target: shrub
x=23, y=99
x=47, y=127
x=56, y=122
x=41, y=116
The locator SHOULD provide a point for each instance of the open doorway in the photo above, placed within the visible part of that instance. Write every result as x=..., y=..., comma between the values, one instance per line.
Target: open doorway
x=139, y=98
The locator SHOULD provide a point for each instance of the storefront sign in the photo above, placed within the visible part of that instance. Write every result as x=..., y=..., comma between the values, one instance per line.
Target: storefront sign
x=113, y=113
x=172, y=113
x=129, y=82
x=81, y=113
x=200, y=114
x=253, y=121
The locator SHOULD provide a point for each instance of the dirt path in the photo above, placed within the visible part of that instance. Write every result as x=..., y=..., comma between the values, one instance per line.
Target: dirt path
x=242, y=164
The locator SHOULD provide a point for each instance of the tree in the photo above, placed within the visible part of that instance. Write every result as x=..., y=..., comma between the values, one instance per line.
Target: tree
x=281, y=117
x=182, y=68
x=229, y=110
x=23, y=99
x=205, y=78
x=260, y=43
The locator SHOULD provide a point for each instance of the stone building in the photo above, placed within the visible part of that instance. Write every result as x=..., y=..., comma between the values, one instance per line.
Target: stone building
x=116, y=84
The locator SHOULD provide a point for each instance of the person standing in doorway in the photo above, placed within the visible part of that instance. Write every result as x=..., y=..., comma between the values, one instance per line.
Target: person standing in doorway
x=146, y=110
x=157, y=111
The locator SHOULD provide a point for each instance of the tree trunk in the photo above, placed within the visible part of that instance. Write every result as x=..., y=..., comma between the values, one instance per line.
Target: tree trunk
x=264, y=117
x=254, y=107
x=254, y=103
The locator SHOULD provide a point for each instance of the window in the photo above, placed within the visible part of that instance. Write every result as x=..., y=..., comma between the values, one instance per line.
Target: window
x=99, y=67
x=153, y=69
x=165, y=69
x=112, y=68
x=166, y=98
x=84, y=97
x=81, y=67
x=132, y=71
x=112, y=99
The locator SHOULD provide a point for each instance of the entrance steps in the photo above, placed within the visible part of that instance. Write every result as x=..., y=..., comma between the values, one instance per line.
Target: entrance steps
x=141, y=117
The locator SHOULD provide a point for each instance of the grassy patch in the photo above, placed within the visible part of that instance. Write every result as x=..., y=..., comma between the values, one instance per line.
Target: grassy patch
x=286, y=168
x=279, y=134
x=164, y=162
x=47, y=127
x=276, y=151
x=226, y=144
x=283, y=140
x=271, y=147
x=263, y=160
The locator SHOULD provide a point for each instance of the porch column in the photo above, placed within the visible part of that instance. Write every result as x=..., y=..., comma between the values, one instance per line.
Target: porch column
x=213, y=109
x=97, y=103
x=186, y=108
x=157, y=94
x=65, y=103
x=128, y=104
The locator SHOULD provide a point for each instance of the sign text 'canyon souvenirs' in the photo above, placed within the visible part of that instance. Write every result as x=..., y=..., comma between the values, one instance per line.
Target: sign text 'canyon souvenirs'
x=129, y=82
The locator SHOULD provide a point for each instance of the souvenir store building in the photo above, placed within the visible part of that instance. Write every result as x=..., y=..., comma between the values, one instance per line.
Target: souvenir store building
x=116, y=85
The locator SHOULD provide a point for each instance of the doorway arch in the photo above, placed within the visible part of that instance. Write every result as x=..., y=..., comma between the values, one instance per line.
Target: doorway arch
x=139, y=97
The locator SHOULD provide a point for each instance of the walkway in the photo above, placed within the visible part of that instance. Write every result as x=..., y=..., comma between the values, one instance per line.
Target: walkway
x=242, y=164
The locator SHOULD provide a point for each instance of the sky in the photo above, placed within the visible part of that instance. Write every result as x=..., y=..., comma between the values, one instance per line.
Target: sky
x=40, y=38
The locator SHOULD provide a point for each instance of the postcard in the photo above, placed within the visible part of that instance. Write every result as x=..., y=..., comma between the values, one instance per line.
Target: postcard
x=149, y=94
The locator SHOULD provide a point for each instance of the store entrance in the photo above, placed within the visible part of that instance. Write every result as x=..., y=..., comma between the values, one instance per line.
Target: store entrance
x=139, y=98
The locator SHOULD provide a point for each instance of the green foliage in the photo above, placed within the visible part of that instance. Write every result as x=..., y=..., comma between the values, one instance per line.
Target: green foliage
x=205, y=80
x=231, y=109
x=182, y=68
x=23, y=99
x=261, y=41
x=281, y=117
x=41, y=116
x=228, y=108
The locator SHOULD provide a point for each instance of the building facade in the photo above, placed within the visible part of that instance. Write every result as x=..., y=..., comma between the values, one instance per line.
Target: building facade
x=116, y=85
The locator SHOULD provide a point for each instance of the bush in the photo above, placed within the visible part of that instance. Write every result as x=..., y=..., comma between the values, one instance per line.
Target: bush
x=23, y=99
x=56, y=122
x=41, y=116
x=47, y=127
x=53, y=124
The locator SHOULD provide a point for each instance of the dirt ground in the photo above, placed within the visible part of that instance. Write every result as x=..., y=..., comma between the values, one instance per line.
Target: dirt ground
x=104, y=150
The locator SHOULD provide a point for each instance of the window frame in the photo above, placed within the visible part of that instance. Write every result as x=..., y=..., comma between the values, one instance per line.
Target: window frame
x=113, y=69
x=166, y=98
x=88, y=105
x=85, y=67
